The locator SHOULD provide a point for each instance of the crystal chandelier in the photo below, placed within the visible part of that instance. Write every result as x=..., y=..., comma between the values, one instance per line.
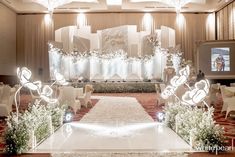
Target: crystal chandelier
x=52, y=4
x=177, y=4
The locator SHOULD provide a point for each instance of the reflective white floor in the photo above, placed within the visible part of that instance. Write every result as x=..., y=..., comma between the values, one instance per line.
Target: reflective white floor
x=113, y=136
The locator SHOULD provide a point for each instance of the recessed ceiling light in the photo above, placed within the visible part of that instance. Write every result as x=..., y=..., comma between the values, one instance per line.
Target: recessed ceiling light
x=114, y=2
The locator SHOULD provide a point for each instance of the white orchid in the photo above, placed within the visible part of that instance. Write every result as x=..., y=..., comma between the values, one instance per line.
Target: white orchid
x=46, y=94
x=24, y=75
x=60, y=79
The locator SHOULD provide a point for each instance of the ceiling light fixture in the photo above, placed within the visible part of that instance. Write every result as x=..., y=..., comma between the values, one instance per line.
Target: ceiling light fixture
x=177, y=4
x=114, y=2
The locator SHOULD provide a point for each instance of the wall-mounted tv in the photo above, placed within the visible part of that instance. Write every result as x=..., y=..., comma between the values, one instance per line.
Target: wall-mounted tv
x=220, y=59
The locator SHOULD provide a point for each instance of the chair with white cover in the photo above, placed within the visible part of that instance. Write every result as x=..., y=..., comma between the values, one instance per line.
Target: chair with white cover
x=226, y=95
x=78, y=92
x=232, y=84
x=230, y=103
x=214, y=91
x=6, y=101
x=68, y=97
x=85, y=99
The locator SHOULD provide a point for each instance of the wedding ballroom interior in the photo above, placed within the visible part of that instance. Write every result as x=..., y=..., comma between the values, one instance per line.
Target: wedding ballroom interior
x=117, y=78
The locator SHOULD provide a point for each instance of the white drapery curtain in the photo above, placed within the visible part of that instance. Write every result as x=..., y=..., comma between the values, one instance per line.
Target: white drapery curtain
x=75, y=67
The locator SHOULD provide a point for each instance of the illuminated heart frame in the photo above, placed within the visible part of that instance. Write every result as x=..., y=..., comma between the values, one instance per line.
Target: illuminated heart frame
x=191, y=97
x=175, y=82
x=198, y=94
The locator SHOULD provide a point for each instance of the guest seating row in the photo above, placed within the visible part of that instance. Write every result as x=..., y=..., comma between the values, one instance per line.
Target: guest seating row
x=74, y=97
x=228, y=97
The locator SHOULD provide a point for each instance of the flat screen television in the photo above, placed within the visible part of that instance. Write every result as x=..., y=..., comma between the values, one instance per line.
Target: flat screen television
x=220, y=59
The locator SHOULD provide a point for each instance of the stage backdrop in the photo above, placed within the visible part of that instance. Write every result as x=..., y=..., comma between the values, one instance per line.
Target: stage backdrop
x=34, y=31
x=126, y=38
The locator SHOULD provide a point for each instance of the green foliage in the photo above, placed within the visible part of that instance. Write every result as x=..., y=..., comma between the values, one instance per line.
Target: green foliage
x=127, y=87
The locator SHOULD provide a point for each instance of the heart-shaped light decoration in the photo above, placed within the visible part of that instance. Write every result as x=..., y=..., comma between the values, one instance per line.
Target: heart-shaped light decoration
x=198, y=94
x=47, y=91
x=24, y=74
x=36, y=85
x=203, y=85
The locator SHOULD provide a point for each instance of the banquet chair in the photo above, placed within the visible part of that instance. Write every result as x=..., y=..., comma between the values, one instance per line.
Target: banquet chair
x=6, y=101
x=225, y=97
x=230, y=106
x=68, y=97
x=78, y=92
x=85, y=99
x=207, y=100
x=214, y=92
x=232, y=84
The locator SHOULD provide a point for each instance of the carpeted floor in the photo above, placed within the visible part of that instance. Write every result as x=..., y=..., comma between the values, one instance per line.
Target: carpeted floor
x=148, y=101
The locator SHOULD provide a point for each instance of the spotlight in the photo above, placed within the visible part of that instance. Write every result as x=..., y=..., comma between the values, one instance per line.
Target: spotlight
x=160, y=116
x=68, y=117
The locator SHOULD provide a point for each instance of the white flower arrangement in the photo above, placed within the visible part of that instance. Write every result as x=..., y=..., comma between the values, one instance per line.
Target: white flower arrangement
x=196, y=126
x=31, y=127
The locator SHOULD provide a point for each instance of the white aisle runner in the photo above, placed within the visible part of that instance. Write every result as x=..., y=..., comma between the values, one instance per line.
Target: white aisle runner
x=115, y=124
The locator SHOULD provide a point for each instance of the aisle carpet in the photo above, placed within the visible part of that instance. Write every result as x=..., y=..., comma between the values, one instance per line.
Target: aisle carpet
x=149, y=102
